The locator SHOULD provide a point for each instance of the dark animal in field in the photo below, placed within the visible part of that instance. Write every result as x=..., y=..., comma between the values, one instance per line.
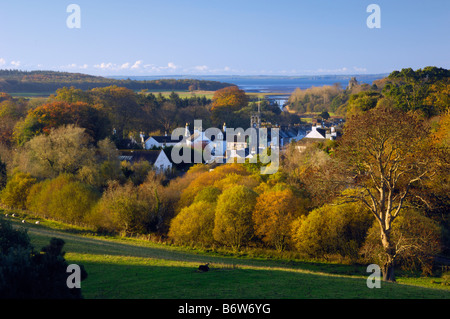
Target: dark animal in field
x=203, y=267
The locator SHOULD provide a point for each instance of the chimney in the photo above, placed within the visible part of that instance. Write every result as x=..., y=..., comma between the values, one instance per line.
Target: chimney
x=186, y=131
x=224, y=127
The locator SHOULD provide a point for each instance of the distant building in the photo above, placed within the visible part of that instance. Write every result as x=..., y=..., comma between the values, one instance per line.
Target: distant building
x=319, y=132
x=157, y=158
x=158, y=141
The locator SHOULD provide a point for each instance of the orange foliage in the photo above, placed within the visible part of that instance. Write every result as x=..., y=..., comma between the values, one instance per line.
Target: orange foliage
x=273, y=215
x=58, y=113
x=231, y=97
x=207, y=178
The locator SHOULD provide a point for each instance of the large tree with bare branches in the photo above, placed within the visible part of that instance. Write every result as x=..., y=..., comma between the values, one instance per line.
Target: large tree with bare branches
x=385, y=152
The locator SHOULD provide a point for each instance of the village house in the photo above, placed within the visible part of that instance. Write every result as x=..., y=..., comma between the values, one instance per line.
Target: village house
x=157, y=158
x=320, y=132
x=154, y=142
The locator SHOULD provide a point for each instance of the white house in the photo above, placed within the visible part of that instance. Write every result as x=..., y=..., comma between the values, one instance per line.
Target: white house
x=157, y=158
x=321, y=133
x=159, y=141
x=162, y=162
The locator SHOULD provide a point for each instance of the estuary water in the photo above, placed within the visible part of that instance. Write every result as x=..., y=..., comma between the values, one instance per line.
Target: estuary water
x=284, y=85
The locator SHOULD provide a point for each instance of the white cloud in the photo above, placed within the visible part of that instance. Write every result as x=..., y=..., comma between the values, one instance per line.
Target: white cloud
x=15, y=63
x=104, y=66
x=343, y=70
x=202, y=68
x=357, y=69
x=136, y=65
x=171, y=65
x=72, y=66
x=2, y=61
x=125, y=65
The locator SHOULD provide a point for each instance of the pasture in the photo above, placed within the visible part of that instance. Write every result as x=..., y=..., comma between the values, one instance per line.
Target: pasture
x=129, y=268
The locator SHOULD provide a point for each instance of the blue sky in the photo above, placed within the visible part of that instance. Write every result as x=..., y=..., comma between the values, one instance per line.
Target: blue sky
x=278, y=37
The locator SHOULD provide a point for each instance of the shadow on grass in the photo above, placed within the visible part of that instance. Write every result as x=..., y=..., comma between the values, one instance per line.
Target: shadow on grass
x=79, y=241
x=151, y=281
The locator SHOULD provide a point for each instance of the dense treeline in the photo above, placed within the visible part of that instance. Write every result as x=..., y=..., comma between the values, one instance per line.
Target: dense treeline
x=121, y=114
x=379, y=194
x=15, y=81
x=425, y=90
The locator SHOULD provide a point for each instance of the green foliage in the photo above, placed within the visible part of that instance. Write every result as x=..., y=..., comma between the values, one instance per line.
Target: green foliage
x=11, y=238
x=26, y=274
x=412, y=90
x=121, y=209
x=63, y=198
x=416, y=237
x=16, y=190
x=332, y=230
x=64, y=150
x=194, y=224
x=208, y=194
x=362, y=102
x=233, y=223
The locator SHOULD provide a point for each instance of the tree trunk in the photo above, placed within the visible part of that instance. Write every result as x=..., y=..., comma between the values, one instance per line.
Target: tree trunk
x=388, y=267
x=388, y=271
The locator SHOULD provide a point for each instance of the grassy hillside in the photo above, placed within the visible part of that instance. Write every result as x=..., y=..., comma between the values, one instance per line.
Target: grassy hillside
x=131, y=268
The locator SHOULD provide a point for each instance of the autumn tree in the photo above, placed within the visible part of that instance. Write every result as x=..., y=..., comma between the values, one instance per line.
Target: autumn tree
x=72, y=95
x=333, y=229
x=55, y=114
x=417, y=237
x=311, y=168
x=231, y=97
x=64, y=150
x=16, y=190
x=63, y=198
x=362, y=102
x=233, y=223
x=203, y=178
x=194, y=224
x=439, y=96
x=383, y=151
x=273, y=215
x=121, y=209
x=121, y=106
x=11, y=111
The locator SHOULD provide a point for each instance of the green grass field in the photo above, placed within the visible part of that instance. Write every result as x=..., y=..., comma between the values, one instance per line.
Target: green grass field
x=128, y=268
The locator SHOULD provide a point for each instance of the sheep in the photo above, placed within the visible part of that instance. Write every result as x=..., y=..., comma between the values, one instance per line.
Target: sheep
x=13, y=215
x=6, y=215
x=37, y=222
x=23, y=221
x=204, y=267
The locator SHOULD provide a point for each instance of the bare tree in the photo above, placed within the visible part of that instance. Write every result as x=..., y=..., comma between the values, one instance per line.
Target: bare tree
x=384, y=152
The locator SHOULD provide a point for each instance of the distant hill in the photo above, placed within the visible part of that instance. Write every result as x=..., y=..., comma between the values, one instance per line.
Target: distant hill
x=15, y=81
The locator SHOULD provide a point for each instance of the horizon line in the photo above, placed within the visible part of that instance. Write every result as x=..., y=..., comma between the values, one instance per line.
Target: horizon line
x=203, y=75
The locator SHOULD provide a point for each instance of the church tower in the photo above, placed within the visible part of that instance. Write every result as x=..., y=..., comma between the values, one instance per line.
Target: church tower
x=255, y=118
x=255, y=122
